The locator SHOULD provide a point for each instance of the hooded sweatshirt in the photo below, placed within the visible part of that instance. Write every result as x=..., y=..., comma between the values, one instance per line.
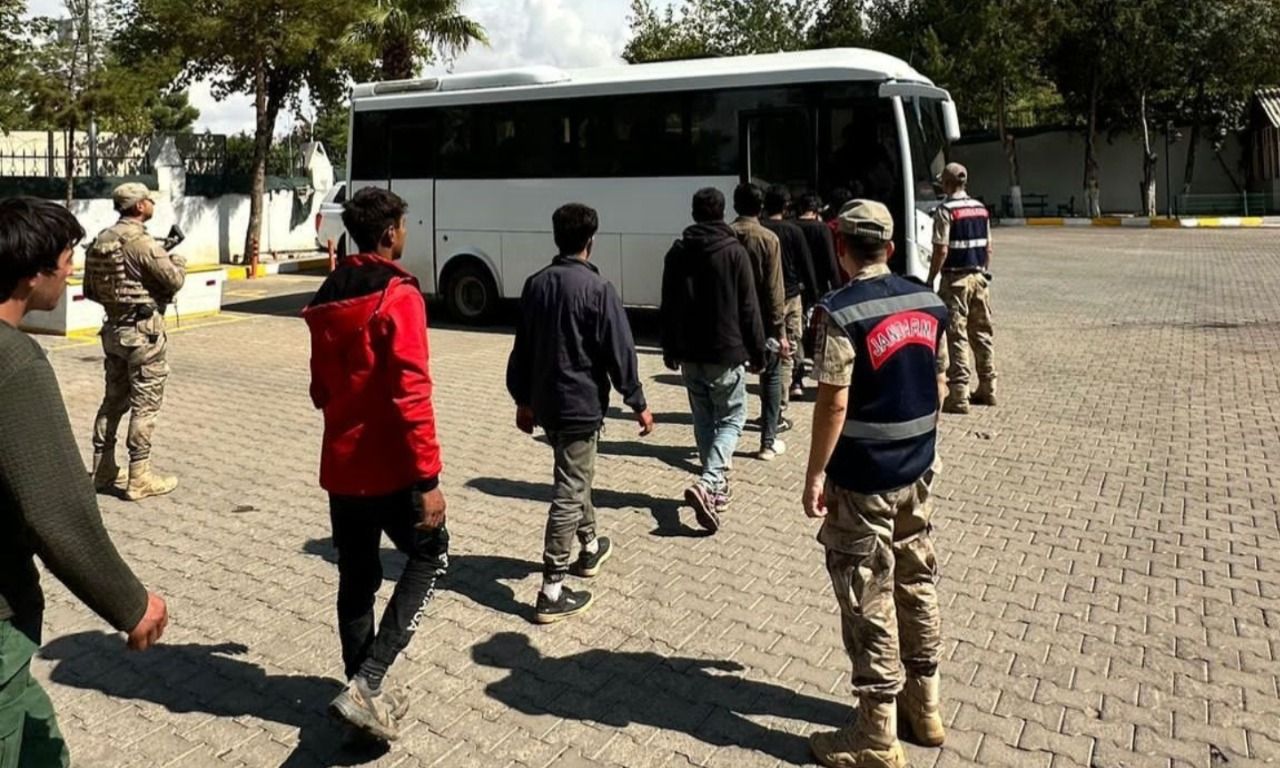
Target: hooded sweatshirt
x=709, y=309
x=370, y=376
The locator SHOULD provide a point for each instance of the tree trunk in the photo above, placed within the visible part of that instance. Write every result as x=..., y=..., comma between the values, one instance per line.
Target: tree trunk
x=1092, y=192
x=397, y=58
x=265, y=124
x=1011, y=157
x=1192, y=142
x=1148, y=161
x=70, y=191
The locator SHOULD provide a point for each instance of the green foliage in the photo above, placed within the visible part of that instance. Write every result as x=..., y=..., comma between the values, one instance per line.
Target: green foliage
x=13, y=50
x=330, y=129
x=172, y=113
x=703, y=28
x=403, y=35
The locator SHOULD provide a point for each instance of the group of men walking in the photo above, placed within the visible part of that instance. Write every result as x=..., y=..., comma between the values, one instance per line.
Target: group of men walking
x=733, y=296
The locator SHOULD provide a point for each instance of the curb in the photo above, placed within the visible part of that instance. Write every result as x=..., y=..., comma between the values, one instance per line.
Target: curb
x=1139, y=222
x=278, y=268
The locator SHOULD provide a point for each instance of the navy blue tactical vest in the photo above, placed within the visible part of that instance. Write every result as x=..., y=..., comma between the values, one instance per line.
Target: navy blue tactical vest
x=890, y=432
x=970, y=235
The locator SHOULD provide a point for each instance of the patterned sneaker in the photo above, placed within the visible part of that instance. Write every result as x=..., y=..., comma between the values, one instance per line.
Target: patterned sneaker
x=704, y=507
x=588, y=565
x=571, y=603
x=370, y=713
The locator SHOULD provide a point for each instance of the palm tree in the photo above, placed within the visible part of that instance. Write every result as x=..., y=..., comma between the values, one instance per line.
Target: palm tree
x=407, y=32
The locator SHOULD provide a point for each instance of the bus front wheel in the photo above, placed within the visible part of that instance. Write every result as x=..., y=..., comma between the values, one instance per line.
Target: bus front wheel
x=470, y=293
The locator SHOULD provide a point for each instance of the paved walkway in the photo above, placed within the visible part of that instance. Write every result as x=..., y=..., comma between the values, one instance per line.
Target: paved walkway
x=1111, y=555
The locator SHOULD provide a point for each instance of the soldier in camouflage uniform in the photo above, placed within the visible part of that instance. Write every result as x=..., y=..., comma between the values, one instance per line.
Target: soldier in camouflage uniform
x=135, y=280
x=871, y=470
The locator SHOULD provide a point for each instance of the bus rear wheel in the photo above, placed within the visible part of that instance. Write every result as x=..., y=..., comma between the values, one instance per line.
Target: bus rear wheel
x=470, y=294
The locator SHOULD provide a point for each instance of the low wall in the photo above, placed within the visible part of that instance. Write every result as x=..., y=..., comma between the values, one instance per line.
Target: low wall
x=76, y=315
x=215, y=226
x=1052, y=163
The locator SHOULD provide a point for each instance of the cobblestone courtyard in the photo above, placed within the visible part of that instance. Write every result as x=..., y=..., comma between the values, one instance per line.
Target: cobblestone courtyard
x=1109, y=535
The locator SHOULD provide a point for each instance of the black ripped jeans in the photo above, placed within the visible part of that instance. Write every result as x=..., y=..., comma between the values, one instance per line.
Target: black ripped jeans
x=358, y=525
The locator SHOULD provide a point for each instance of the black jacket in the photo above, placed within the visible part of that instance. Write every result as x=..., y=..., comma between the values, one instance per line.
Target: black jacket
x=798, y=276
x=822, y=246
x=572, y=340
x=709, y=308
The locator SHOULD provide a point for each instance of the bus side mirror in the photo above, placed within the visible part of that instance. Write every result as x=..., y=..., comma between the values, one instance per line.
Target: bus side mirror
x=950, y=120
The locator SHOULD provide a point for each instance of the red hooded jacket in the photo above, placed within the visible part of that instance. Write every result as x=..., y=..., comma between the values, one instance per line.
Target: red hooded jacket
x=370, y=375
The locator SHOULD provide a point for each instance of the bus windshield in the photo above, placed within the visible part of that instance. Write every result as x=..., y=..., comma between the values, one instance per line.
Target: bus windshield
x=928, y=139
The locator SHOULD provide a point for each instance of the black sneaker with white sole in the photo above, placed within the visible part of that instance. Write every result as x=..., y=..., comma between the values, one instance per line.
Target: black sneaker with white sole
x=588, y=565
x=571, y=603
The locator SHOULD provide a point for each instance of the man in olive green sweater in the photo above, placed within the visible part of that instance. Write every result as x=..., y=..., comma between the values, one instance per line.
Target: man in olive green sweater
x=47, y=502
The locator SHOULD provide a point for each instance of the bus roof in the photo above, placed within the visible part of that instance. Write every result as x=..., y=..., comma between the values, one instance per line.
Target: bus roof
x=832, y=65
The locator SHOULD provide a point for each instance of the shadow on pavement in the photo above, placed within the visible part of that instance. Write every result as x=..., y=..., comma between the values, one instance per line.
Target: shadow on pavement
x=678, y=457
x=665, y=512
x=209, y=679
x=674, y=694
x=476, y=577
x=284, y=305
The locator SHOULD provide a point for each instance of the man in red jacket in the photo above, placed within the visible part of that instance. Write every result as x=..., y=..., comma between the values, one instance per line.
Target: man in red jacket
x=380, y=461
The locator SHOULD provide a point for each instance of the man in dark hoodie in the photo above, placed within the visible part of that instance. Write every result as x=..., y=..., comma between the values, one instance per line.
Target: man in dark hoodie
x=380, y=461
x=711, y=327
x=798, y=279
x=572, y=340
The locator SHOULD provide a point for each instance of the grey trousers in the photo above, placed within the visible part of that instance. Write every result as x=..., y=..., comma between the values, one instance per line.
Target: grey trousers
x=571, y=514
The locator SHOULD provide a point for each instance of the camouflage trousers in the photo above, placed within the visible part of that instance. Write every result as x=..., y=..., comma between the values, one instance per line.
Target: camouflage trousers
x=884, y=571
x=136, y=371
x=968, y=300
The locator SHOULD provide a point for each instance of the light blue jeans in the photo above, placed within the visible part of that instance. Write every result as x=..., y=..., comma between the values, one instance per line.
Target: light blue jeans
x=718, y=400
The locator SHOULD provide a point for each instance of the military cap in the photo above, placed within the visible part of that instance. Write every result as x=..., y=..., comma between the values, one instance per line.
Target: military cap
x=130, y=194
x=866, y=219
x=955, y=173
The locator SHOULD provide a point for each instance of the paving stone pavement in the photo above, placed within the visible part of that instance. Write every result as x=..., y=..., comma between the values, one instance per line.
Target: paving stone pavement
x=1109, y=538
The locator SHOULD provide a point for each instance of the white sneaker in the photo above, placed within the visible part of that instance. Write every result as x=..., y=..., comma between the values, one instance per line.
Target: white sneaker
x=772, y=452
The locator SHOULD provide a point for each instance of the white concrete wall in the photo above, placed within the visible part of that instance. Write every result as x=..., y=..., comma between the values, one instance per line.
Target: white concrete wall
x=215, y=226
x=1052, y=163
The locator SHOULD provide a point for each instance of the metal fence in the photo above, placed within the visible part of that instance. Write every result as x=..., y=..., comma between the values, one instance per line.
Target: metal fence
x=1228, y=204
x=44, y=154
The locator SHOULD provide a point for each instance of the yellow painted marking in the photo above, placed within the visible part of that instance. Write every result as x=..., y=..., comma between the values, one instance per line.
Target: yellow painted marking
x=1045, y=221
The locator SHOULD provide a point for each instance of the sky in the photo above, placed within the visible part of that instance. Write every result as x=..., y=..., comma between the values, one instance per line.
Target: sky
x=563, y=33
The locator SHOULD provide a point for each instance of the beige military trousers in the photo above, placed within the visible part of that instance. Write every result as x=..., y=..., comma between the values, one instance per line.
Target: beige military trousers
x=884, y=571
x=968, y=299
x=136, y=369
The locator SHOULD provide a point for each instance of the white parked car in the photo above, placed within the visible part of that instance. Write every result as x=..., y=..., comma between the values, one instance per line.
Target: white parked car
x=329, y=220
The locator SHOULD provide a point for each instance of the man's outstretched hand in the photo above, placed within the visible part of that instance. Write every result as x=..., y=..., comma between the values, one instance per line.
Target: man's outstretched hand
x=149, y=629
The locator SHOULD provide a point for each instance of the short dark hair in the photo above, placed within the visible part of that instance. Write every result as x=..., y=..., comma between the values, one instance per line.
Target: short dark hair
x=748, y=199
x=33, y=235
x=776, y=199
x=808, y=203
x=574, y=225
x=708, y=205
x=839, y=196
x=369, y=213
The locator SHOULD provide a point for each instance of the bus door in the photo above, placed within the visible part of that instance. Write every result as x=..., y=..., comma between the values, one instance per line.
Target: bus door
x=777, y=148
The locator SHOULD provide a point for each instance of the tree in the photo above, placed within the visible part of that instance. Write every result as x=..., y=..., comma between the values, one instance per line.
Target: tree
x=172, y=113
x=717, y=28
x=839, y=24
x=331, y=128
x=269, y=48
x=1222, y=58
x=408, y=33
x=986, y=52
x=13, y=55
